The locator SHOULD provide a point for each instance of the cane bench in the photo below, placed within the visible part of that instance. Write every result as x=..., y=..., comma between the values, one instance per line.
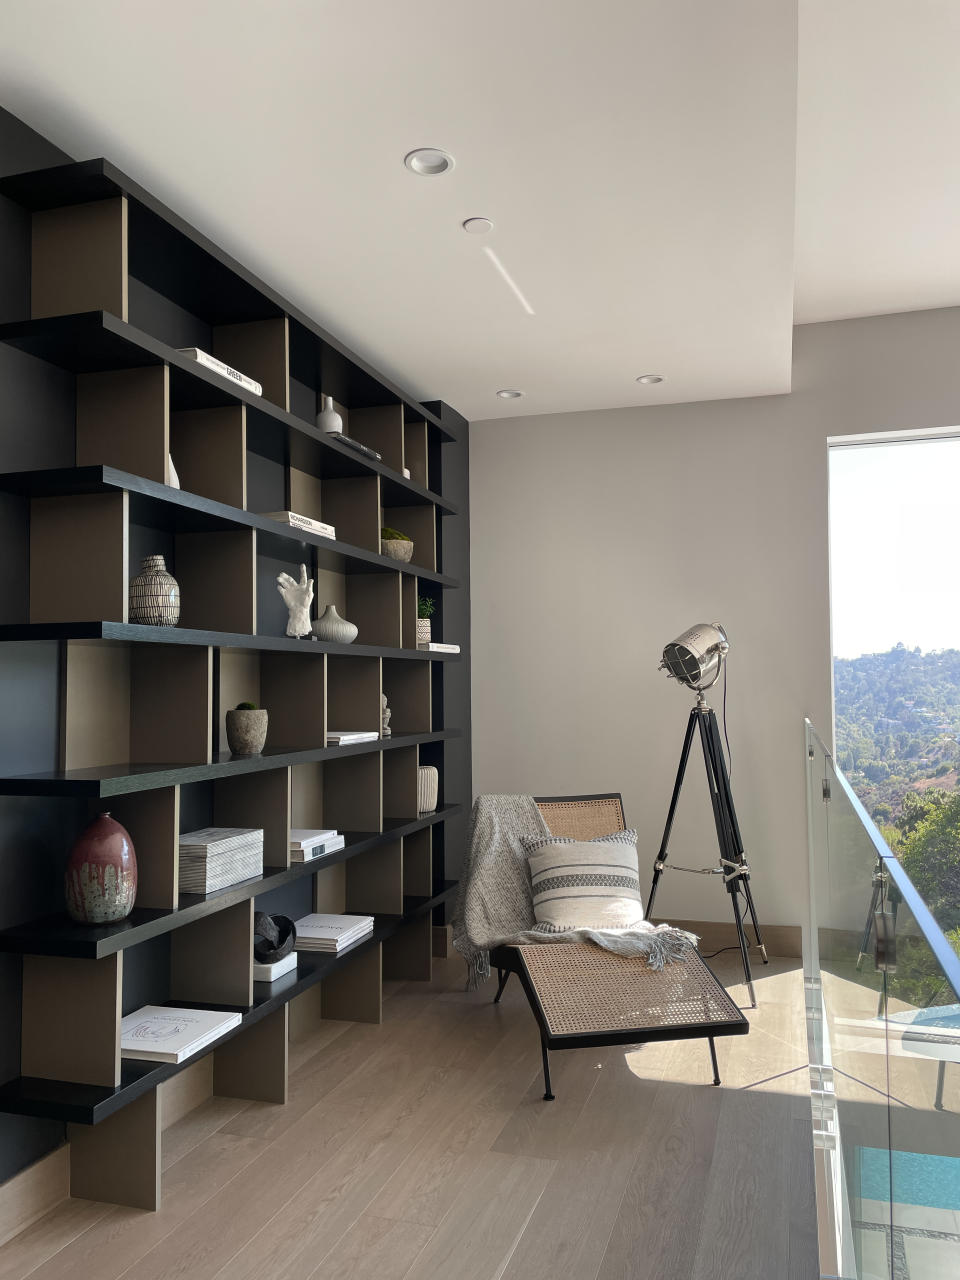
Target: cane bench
x=582, y=996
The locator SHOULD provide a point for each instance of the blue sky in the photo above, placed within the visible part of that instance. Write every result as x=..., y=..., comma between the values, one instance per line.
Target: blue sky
x=895, y=546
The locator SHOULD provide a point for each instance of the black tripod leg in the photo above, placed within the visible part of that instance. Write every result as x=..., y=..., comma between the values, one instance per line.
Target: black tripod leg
x=748, y=894
x=744, y=953
x=868, y=926
x=728, y=819
x=671, y=813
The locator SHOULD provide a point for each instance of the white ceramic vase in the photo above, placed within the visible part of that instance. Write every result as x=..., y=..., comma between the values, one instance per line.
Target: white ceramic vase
x=330, y=626
x=328, y=419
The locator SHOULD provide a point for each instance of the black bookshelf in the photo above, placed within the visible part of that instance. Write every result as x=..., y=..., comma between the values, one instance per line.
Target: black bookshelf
x=90, y=1104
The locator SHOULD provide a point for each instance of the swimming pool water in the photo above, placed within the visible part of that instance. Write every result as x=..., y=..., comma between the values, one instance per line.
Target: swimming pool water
x=918, y=1178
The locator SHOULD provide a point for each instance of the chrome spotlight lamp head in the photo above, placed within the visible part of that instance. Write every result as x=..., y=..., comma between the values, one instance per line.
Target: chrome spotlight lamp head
x=696, y=657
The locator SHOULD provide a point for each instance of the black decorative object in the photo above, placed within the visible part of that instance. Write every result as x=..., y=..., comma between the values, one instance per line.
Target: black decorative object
x=273, y=937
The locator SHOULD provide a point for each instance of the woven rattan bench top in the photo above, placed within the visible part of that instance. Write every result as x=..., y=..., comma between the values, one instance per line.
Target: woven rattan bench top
x=586, y=991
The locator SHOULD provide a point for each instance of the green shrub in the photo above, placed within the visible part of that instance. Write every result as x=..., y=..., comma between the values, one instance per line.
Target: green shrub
x=426, y=606
x=246, y=706
x=394, y=535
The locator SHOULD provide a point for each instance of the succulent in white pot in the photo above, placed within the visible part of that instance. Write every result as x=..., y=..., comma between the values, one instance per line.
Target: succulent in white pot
x=426, y=607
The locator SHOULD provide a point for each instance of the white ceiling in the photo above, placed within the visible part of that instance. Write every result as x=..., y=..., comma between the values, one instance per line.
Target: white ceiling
x=878, y=190
x=637, y=157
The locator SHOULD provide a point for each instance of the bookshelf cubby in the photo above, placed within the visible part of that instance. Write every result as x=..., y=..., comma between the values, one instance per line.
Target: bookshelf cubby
x=119, y=284
x=400, y=784
x=146, y=704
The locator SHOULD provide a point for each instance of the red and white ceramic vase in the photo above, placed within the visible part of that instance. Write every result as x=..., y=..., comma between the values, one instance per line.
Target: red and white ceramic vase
x=101, y=879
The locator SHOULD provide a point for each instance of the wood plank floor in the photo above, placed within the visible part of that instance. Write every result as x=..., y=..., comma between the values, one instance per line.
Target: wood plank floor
x=422, y=1149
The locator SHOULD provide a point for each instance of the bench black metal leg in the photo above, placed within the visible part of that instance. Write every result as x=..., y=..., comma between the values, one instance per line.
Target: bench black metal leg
x=941, y=1074
x=502, y=976
x=548, y=1096
x=713, y=1059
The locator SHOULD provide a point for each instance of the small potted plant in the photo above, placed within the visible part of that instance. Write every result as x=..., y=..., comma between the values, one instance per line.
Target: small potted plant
x=396, y=545
x=426, y=608
x=246, y=729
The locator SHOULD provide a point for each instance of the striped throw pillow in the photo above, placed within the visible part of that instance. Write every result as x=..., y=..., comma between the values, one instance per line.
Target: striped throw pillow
x=585, y=884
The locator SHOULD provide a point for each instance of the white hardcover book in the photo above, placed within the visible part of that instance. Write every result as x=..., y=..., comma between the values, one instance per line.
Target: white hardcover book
x=347, y=737
x=307, y=523
x=161, y=1033
x=319, y=931
x=270, y=972
x=226, y=370
x=318, y=850
x=303, y=837
x=435, y=646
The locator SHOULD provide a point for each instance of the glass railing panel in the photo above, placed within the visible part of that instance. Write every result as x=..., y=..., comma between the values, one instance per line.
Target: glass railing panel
x=847, y=1034
x=923, y=1035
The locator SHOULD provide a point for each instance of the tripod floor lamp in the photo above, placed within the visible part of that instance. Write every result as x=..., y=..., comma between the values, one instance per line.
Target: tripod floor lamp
x=696, y=659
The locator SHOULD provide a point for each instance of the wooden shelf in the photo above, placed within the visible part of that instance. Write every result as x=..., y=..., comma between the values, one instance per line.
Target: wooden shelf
x=179, y=512
x=120, y=779
x=58, y=935
x=228, y=287
x=89, y=1104
x=133, y=633
x=99, y=342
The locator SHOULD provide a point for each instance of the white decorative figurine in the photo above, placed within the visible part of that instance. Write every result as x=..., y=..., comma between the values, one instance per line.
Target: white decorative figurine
x=298, y=597
x=385, y=714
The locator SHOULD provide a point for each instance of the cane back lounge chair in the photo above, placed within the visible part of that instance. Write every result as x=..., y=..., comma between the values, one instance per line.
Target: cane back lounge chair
x=582, y=996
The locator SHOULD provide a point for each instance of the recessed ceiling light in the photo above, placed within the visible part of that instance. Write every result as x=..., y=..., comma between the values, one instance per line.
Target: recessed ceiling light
x=648, y=379
x=508, y=393
x=428, y=161
x=477, y=226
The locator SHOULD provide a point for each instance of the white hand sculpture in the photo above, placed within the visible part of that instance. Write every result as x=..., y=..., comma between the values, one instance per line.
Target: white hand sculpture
x=298, y=597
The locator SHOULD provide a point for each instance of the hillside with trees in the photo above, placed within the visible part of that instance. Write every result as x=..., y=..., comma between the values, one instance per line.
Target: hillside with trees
x=898, y=725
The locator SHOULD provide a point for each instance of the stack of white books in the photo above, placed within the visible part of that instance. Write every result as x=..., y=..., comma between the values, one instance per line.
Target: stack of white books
x=163, y=1033
x=215, y=857
x=435, y=646
x=297, y=521
x=347, y=737
x=307, y=843
x=318, y=932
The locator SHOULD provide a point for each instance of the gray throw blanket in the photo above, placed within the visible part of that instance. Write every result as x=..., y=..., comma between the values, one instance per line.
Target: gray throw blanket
x=494, y=901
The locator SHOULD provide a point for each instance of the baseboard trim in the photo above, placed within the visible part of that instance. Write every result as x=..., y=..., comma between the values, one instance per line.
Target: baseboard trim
x=34, y=1191
x=784, y=940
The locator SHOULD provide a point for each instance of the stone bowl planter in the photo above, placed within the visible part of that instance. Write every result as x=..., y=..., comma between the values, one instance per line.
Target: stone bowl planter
x=398, y=549
x=246, y=732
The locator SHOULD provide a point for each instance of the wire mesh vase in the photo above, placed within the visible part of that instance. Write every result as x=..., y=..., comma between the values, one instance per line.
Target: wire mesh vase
x=154, y=595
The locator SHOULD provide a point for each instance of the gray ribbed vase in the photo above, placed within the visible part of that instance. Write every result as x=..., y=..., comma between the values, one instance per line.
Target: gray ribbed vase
x=154, y=595
x=330, y=626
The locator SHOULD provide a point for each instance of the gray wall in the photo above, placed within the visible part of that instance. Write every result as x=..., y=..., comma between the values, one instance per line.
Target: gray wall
x=597, y=537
